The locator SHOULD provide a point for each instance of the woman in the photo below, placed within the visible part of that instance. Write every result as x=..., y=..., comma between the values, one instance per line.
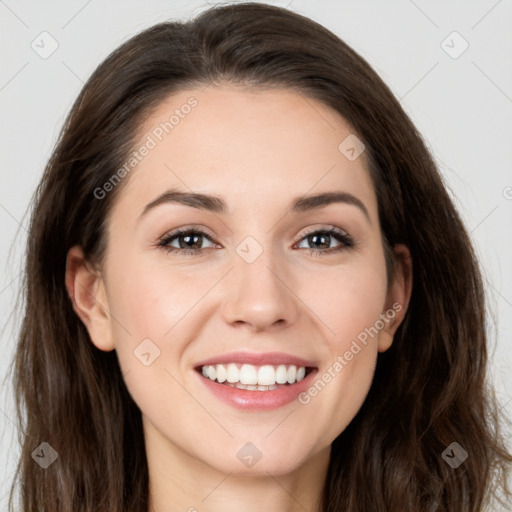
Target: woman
x=160, y=373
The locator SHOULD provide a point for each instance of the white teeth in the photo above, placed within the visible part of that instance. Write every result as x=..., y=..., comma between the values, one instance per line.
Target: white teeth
x=254, y=378
x=222, y=374
x=252, y=388
x=267, y=388
x=281, y=374
x=248, y=374
x=292, y=373
x=212, y=372
x=233, y=374
x=266, y=375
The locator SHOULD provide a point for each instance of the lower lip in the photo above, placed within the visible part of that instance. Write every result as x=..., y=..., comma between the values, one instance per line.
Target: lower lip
x=258, y=400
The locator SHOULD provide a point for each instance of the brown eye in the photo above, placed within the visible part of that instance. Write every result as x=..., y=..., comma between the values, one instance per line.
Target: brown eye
x=189, y=241
x=319, y=241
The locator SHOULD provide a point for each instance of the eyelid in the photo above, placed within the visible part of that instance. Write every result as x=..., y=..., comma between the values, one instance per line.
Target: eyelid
x=189, y=227
x=323, y=227
x=200, y=227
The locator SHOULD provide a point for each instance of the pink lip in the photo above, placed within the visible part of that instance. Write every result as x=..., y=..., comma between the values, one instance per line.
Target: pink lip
x=257, y=359
x=258, y=400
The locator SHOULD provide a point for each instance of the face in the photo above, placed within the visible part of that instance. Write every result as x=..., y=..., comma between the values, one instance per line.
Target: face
x=269, y=289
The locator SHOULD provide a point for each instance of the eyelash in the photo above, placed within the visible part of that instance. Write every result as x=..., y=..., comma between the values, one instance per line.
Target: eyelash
x=347, y=241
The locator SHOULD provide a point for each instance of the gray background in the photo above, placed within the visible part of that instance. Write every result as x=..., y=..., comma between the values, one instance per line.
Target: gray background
x=462, y=106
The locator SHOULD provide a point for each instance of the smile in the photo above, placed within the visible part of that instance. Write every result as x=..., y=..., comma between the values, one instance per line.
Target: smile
x=255, y=381
x=255, y=378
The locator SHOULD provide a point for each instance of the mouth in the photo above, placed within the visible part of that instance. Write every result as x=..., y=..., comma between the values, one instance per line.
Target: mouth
x=256, y=382
x=255, y=378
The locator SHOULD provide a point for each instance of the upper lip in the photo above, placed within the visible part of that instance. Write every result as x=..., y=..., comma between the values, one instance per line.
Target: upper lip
x=257, y=359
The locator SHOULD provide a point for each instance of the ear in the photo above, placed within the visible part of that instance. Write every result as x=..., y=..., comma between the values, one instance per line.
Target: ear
x=398, y=296
x=86, y=290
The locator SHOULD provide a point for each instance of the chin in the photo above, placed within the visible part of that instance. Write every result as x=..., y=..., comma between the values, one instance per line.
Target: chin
x=261, y=464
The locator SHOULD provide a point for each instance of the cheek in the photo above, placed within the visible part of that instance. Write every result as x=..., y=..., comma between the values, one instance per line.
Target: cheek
x=348, y=299
x=340, y=389
x=151, y=323
x=149, y=298
x=349, y=302
x=156, y=310
x=341, y=384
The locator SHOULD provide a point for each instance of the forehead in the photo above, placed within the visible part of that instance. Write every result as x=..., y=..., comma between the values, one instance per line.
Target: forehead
x=254, y=147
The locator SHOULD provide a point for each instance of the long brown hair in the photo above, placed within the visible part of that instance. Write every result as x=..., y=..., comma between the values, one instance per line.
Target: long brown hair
x=430, y=388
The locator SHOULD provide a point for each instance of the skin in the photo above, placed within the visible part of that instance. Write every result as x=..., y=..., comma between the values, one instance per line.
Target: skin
x=258, y=151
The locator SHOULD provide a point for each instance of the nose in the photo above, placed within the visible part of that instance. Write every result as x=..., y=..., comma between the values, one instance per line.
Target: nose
x=260, y=294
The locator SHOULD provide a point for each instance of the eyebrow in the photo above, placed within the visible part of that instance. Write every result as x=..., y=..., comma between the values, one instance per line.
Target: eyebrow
x=216, y=204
